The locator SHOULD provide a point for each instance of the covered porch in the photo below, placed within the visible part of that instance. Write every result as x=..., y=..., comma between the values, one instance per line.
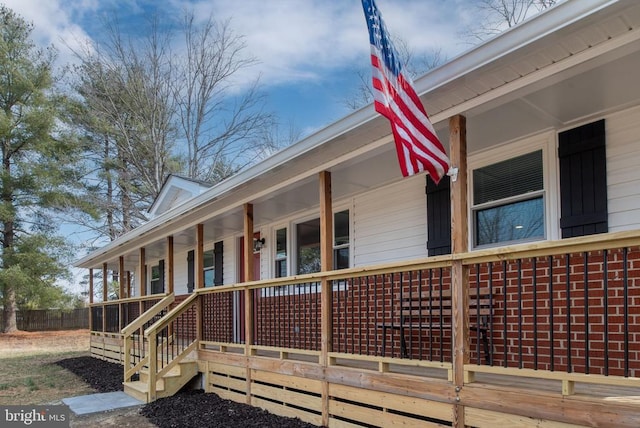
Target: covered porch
x=563, y=336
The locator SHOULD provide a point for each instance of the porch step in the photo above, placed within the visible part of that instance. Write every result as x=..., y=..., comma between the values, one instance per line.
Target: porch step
x=166, y=386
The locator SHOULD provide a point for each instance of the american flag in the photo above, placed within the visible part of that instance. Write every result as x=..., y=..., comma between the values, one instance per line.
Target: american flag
x=417, y=144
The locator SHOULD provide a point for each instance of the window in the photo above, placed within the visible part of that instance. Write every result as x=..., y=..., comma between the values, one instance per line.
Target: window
x=157, y=278
x=308, y=246
x=308, y=243
x=209, y=268
x=508, y=200
x=281, y=253
x=341, y=240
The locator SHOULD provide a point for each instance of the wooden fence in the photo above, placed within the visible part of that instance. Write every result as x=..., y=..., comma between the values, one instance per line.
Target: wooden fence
x=50, y=319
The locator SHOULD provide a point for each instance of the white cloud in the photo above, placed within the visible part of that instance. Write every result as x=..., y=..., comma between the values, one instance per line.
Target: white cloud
x=53, y=22
x=298, y=40
x=294, y=40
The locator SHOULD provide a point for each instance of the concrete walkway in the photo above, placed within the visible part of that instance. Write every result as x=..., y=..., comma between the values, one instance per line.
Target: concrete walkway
x=94, y=403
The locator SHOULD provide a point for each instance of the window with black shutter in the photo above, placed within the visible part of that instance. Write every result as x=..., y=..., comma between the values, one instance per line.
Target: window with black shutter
x=583, y=180
x=438, y=217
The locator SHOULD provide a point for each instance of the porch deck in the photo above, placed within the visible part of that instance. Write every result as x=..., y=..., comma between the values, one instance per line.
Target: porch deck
x=564, y=331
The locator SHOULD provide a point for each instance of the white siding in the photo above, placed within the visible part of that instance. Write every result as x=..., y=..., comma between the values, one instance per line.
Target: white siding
x=229, y=270
x=180, y=272
x=180, y=265
x=623, y=171
x=389, y=223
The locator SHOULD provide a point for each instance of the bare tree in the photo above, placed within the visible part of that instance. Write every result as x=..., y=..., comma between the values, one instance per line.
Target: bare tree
x=223, y=129
x=494, y=16
x=127, y=112
x=149, y=111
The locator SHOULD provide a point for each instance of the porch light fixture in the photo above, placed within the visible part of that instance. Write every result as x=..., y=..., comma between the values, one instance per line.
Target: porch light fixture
x=258, y=244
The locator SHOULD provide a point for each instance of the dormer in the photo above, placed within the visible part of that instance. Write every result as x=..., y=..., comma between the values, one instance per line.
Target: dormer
x=175, y=191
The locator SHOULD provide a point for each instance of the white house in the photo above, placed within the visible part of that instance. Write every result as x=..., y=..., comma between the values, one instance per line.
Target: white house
x=543, y=122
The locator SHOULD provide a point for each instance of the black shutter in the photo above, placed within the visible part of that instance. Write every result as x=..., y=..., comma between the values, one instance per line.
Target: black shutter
x=438, y=217
x=218, y=263
x=190, y=271
x=161, y=281
x=583, y=180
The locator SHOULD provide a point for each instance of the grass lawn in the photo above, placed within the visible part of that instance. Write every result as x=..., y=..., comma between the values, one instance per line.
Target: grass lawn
x=37, y=379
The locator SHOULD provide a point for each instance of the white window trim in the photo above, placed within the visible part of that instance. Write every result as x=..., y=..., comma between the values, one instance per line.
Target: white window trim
x=208, y=247
x=547, y=142
x=292, y=262
x=273, y=251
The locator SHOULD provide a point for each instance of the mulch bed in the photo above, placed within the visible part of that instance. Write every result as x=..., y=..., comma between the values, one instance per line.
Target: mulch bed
x=102, y=376
x=194, y=408
x=188, y=408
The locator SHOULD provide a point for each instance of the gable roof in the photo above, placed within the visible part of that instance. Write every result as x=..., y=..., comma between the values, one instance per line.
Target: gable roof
x=175, y=191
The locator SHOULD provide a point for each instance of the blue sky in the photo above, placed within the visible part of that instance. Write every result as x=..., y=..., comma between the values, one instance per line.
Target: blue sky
x=308, y=51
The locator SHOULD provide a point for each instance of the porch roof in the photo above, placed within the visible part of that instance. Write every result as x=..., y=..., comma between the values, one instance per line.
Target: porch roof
x=563, y=66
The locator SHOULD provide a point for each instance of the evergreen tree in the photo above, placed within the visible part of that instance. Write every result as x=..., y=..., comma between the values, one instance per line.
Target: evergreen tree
x=38, y=175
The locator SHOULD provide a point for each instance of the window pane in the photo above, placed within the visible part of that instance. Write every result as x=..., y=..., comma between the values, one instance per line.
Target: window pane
x=512, y=177
x=281, y=243
x=309, y=260
x=341, y=228
x=281, y=268
x=510, y=222
x=209, y=276
x=308, y=246
x=208, y=259
x=341, y=258
x=155, y=272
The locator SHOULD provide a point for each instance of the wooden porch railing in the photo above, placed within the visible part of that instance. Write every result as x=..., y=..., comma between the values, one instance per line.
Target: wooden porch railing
x=135, y=343
x=114, y=315
x=566, y=310
x=170, y=340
